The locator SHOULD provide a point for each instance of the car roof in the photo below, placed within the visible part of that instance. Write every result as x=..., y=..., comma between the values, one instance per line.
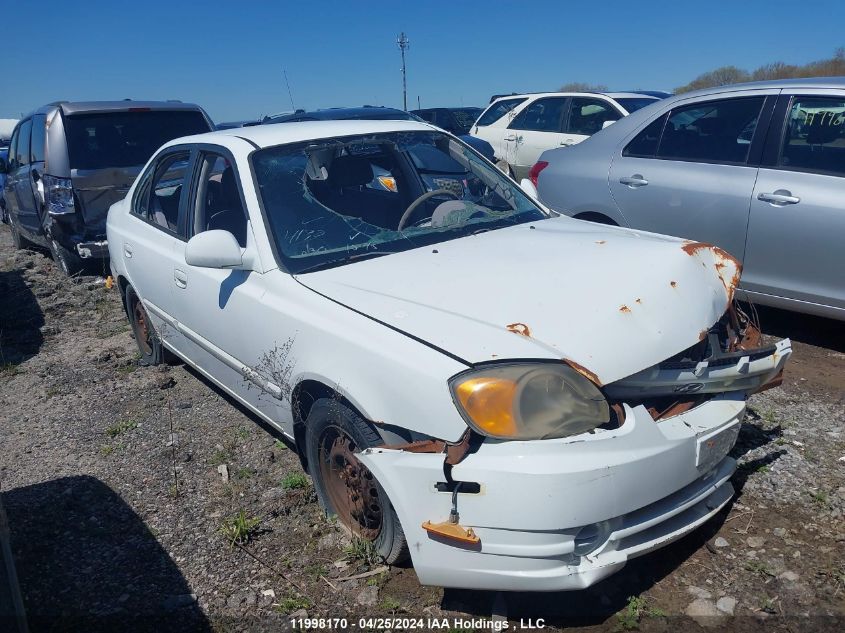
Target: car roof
x=570, y=93
x=333, y=114
x=272, y=134
x=82, y=107
x=809, y=82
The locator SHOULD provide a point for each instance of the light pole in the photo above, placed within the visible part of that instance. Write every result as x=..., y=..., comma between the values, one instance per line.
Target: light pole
x=403, y=42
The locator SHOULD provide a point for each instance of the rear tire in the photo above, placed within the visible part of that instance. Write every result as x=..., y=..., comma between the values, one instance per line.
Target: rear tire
x=70, y=263
x=149, y=345
x=345, y=487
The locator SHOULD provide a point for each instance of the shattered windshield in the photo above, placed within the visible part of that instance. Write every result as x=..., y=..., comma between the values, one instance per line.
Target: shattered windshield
x=333, y=201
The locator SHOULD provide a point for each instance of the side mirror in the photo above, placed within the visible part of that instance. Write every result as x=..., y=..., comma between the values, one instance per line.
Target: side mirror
x=607, y=123
x=214, y=249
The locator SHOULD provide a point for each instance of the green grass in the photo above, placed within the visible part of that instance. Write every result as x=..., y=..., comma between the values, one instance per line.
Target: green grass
x=127, y=369
x=219, y=457
x=390, y=604
x=244, y=473
x=315, y=571
x=121, y=427
x=759, y=568
x=280, y=445
x=242, y=432
x=240, y=528
x=106, y=449
x=292, y=603
x=637, y=608
x=820, y=497
x=362, y=550
x=294, y=481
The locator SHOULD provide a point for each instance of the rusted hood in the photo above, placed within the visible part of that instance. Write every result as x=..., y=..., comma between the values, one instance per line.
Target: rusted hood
x=611, y=300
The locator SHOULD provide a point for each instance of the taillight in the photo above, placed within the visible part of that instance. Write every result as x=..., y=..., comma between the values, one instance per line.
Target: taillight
x=58, y=195
x=539, y=166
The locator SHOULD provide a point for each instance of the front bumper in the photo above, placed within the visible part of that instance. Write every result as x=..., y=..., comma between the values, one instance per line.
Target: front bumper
x=639, y=487
x=93, y=250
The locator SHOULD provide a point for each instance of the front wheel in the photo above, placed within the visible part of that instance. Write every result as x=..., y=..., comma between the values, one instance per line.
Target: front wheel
x=345, y=487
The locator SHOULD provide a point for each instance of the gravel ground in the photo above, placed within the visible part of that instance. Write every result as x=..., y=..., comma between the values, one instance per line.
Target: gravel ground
x=118, y=481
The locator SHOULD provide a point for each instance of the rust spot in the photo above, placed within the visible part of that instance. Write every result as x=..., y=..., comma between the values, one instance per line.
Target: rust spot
x=639, y=300
x=702, y=335
x=583, y=371
x=674, y=284
x=519, y=328
x=454, y=452
x=624, y=308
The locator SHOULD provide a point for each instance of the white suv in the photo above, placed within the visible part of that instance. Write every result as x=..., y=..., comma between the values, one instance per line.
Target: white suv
x=521, y=127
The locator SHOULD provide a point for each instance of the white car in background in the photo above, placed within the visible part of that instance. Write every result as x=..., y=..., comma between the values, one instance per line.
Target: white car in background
x=459, y=387
x=521, y=127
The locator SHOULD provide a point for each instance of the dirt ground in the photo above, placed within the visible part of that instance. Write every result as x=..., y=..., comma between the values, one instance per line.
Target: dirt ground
x=111, y=477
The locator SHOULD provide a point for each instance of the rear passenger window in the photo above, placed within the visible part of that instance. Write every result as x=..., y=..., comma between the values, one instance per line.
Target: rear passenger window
x=587, y=115
x=161, y=191
x=22, y=151
x=815, y=136
x=499, y=109
x=715, y=131
x=544, y=115
x=218, y=203
x=645, y=143
x=36, y=152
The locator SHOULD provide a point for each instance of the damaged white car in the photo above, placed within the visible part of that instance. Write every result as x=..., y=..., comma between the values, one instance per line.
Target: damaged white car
x=517, y=400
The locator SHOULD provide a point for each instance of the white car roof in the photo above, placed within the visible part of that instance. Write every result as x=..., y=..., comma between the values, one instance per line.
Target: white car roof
x=612, y=95
x=272, y=134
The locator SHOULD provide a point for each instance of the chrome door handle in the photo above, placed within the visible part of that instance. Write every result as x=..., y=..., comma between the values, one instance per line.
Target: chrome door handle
x=180, y=278
x=127, y=251
x=634, y=181
x=779, y=198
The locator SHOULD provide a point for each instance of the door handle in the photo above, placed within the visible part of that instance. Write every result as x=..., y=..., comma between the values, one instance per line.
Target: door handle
x=779, y=198
x=634, y=181
x=511, y=137
x=127, y=251
x=180, y=278
x=567, y=142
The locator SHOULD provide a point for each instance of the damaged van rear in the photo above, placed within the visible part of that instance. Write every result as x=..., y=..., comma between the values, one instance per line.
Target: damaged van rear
x=514, y=399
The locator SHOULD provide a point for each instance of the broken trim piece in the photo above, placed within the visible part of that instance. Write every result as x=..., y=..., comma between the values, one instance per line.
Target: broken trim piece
x=455, y=452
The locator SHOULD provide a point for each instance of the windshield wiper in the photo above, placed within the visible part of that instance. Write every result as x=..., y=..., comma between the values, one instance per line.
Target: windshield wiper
x=334, y=263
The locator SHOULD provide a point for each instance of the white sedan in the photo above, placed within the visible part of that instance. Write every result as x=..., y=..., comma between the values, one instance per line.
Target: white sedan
x=517, y=400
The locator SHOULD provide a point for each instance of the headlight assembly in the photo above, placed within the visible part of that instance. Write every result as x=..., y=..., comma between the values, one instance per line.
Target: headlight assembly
x=529, y=401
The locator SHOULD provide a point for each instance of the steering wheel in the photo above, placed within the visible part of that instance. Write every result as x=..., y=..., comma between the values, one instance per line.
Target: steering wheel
x=428, y=194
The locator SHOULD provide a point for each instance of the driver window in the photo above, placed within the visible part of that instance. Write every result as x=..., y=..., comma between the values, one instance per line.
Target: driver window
x=218, y=203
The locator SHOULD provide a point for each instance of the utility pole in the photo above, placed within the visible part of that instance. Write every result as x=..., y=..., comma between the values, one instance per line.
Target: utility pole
x=404, y=43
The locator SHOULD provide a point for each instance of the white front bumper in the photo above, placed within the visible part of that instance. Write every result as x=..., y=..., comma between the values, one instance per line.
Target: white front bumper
x=645, y=484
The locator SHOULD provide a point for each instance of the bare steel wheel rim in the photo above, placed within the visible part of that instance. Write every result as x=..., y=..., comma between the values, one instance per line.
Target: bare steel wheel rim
x=142, y=328
x=350, y=486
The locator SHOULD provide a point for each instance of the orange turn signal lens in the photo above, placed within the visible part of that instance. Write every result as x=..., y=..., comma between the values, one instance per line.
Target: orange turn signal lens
x=388, y=182
x=489, y=403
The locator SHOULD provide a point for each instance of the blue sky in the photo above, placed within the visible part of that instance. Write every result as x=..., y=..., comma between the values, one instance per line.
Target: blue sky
x=230, y=56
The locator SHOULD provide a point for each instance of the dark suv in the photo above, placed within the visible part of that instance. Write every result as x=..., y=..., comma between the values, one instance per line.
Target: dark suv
x=69, y=162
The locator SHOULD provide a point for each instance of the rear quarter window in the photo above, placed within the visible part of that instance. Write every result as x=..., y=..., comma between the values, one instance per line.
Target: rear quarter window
x=499, y=109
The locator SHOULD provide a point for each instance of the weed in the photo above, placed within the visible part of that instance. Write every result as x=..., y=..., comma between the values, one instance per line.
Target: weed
x=769, y=417
x=315, y=571
x=293, y=481
x=106, y=449
x=762, y=469
x=127, y=369
x=363, y=550
x=120, y=427
x=637, y=608
x=390, y=604
x=240, y=528
x=768, y=605
x=52, y=392
x=242, y=432
x=820, y=497
x=9, y=370
x=292, y=603
x=780, y=441
x=244, y=473
x=280, y=445
x=759, y=568
x=219, y=457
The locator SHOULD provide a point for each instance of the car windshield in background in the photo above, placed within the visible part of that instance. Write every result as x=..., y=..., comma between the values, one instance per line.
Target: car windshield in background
x=333, y=201
x=632, y=104
x=125, y=139
x=466, y=117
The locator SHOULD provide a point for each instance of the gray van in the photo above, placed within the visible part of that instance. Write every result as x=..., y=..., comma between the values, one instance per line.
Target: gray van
x=69, y=162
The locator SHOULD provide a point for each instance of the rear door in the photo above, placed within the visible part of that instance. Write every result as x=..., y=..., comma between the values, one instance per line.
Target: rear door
x=797, y=223
x=534, y=130
x=690, y=172
x=156, y=233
